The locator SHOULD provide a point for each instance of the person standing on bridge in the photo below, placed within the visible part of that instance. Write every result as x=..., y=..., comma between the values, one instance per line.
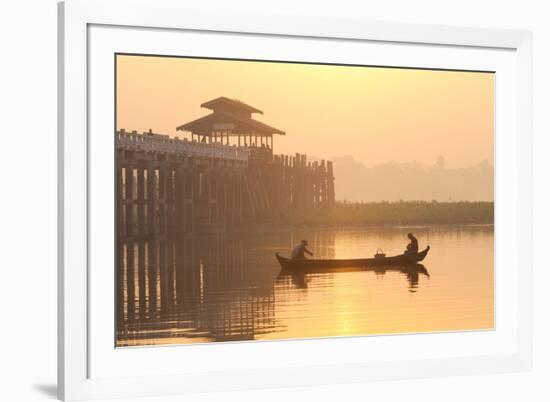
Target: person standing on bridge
x=299, y=252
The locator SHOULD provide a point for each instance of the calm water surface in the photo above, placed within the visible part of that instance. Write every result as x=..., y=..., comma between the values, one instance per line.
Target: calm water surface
x=230, y=288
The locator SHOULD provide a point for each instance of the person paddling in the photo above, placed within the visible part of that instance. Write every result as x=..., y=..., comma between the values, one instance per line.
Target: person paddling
x=412, y=247
x=299, y=252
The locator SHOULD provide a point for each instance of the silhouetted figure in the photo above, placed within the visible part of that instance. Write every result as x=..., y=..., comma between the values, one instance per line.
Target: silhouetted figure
x=412, y=247
x=300, y=251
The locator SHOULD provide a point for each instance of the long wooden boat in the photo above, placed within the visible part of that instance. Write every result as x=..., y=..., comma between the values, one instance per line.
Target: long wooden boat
x=396, y=260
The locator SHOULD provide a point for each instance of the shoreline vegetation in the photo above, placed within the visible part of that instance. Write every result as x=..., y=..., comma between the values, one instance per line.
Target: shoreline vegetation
x=374, y=214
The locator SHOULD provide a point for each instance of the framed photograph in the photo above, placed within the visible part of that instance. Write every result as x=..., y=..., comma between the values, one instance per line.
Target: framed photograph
x=253, y=201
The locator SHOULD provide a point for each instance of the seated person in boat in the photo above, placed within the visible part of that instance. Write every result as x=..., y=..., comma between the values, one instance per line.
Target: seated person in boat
x=412, y=247
x=299, y=252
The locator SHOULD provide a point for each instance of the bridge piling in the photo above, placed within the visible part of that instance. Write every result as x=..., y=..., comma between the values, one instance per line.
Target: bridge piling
x=167, y=186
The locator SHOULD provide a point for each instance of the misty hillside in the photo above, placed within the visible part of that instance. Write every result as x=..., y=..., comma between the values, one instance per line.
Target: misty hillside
x=411, y=181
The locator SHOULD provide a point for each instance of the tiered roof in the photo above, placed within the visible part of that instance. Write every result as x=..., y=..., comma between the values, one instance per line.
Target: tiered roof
x=229, y=115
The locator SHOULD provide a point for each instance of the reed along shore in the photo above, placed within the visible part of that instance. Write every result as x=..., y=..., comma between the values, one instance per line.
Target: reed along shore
x=399, y=213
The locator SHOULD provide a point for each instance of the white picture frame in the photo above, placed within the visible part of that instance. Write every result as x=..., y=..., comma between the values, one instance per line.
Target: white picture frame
x=77, y=332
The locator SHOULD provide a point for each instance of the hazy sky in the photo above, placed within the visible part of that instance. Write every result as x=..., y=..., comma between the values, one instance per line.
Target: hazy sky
x=374, y=114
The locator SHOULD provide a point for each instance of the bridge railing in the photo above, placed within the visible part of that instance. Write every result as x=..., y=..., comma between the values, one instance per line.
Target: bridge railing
x=133, y=141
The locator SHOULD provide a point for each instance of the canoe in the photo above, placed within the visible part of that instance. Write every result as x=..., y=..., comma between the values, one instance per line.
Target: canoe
x=399, y=260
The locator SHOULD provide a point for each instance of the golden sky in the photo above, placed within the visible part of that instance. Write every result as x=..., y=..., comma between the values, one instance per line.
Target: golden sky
x=374, y=114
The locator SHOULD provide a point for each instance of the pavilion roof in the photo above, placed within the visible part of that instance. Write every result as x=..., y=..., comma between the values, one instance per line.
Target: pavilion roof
x=223, y=101
x=233, y=123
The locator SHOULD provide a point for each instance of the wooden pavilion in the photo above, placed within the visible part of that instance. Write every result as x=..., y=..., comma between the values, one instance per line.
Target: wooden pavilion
x=231, y=123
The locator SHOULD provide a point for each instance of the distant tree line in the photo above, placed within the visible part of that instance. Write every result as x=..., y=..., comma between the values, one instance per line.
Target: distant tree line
x=386, y=213
x=412, y=181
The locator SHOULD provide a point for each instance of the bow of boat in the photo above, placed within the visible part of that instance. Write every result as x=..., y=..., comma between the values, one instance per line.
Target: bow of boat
x=422, y=254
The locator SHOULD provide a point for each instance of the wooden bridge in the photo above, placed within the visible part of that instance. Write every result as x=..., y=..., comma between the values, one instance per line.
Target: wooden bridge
x=175, y=186
x=167, y=186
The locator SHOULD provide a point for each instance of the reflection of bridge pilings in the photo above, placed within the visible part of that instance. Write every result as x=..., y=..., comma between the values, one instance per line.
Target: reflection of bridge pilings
x=238, y=301
x=191, y=288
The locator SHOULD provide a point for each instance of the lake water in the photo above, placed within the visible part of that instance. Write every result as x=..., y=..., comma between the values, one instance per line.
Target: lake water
x=230, y=288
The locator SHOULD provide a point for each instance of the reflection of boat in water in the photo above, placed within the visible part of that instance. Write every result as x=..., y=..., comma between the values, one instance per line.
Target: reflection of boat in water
x=414, y=269
x=411, y=271
x=316, y=264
